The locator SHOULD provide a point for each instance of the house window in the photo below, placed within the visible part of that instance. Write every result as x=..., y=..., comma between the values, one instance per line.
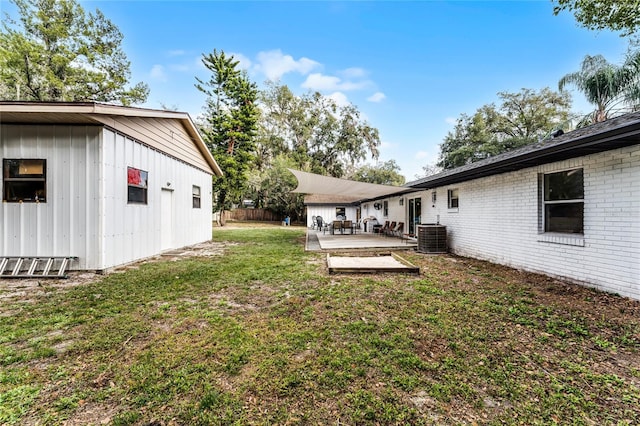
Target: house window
x=563, y=201
x=24, y=180
x=452, y=197
x=434, y=197
x=196, y=197
x=341, y=213
x=137, y=185
x=385, y=207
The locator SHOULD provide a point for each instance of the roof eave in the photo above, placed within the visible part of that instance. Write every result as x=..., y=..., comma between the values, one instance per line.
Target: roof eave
x=572, y=148
x=87, y=109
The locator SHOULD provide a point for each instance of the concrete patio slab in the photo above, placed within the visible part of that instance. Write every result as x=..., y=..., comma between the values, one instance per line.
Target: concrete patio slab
x=358, y=241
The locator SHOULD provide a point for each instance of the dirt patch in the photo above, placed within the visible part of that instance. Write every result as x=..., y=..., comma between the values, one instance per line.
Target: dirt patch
x=92, y=413
x=29, y=289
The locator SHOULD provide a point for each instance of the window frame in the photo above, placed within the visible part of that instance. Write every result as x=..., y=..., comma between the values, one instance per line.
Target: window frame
x=195, y=197
x=143, y=187
x=9, y=181
x=341, y=211
x=385, y=208
x=451, y=199
x=545, y=204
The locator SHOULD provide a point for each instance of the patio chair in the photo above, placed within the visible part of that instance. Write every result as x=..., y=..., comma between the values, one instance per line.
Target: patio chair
x=326, y=226
x=399, y=229
x=348, y=224
x=384, y=227
x=336, y=225
x=390, y=228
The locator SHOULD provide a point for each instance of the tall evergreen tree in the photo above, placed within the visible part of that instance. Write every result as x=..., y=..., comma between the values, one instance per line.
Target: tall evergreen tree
x=231, y=118
x=57, y=52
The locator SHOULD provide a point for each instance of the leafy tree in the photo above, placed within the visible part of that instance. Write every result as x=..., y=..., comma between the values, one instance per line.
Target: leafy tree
x=429, y=170
x=57, y=52
x=231, y=121
x=611, y=88
x=469, y=141
x=522, y=118
x=616, y=15
x=317, y=134
x=271, y=188
x=384, y=173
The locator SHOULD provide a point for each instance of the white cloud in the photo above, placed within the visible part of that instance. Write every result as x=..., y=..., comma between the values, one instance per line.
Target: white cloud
x=321, y=82
x=353, y=73
x=388, y=145
x=244, y=63
x=274, y=64
x=176, y=52
x=318, y=81
x=450, y=120
x=376, y=97
x=158, y=73
x=339, y=98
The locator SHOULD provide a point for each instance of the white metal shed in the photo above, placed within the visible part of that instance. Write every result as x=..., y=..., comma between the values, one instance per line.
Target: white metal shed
x=106, y=184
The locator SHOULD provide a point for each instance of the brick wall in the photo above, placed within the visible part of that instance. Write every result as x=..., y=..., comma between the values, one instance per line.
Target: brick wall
x=498, y=219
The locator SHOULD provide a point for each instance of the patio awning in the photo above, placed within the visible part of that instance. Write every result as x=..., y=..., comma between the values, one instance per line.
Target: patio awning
x=311, y=183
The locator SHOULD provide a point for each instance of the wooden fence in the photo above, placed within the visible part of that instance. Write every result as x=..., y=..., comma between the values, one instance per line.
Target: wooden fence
x=258, y=215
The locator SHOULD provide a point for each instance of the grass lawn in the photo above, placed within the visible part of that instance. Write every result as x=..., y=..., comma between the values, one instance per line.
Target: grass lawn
x=263, y=335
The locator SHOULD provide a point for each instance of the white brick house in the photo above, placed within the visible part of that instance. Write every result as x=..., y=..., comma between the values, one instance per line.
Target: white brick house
x=568, y=207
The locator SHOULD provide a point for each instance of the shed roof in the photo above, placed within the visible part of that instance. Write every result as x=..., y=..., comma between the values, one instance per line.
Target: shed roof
x=607, y=135
x=95, y=113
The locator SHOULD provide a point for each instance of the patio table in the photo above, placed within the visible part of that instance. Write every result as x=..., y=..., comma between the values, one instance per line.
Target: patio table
x=342, y=225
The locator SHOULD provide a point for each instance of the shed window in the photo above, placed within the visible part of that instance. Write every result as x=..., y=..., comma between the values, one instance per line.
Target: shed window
x=341, y=213
x=24, y=180
x=563, y=201
x=385, y=208
x=452, y=198
x=196, y=197
x=137, y=184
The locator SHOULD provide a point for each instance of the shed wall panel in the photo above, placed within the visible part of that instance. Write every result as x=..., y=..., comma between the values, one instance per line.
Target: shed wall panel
x=133, y=231
x=66, y=224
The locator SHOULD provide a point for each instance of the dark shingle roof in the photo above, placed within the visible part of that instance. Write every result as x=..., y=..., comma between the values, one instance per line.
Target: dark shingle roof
x=610, y=134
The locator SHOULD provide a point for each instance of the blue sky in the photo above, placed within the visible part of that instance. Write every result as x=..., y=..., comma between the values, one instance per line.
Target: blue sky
x=410, y=67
